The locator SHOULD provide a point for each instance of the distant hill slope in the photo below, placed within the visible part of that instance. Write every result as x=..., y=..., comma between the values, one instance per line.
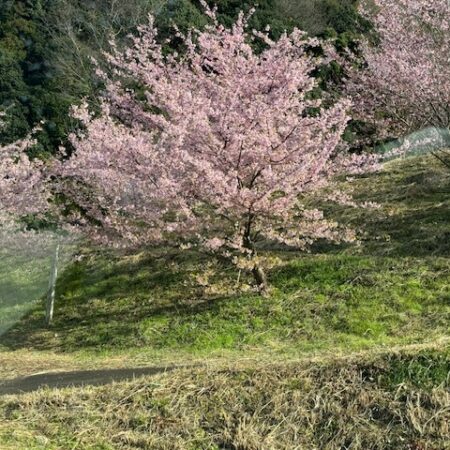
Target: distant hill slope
x=46, y=48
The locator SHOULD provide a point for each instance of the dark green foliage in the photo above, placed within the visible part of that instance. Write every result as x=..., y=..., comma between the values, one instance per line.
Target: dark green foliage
x=180, y=13
x=46, y=47
x=342, y=17
x=25, y=69
x=336, y=18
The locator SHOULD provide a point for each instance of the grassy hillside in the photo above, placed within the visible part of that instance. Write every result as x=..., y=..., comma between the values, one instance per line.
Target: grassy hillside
x=392, y=289
x=22, y=282
x=351, y=350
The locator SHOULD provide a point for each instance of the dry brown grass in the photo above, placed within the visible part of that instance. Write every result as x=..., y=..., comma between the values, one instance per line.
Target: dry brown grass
x=359, y=403
x=23, y=363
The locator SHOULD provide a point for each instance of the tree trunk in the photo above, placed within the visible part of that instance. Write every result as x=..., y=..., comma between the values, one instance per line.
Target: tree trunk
x=261, y=279
x=257, y=272
x=52, y=287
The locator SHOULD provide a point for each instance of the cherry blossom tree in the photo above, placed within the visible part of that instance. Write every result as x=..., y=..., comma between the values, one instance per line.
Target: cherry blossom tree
x=215, y=147
x=405, y=83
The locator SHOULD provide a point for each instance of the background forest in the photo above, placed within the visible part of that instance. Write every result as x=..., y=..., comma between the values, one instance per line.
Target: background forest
x=47, y=46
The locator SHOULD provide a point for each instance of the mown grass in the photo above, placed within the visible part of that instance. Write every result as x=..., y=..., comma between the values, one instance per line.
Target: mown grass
x=395, y=401
x=392, y=289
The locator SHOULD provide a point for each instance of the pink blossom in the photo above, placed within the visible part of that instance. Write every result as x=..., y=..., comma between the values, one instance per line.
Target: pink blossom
x=217, y=148
x=405, y=83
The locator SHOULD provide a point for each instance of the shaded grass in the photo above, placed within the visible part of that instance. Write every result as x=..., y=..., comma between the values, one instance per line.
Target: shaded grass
x=414, y=218
x=22, y=283
x=395, y=401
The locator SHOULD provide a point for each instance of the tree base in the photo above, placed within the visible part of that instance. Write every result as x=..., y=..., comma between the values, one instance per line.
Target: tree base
x=261, y=280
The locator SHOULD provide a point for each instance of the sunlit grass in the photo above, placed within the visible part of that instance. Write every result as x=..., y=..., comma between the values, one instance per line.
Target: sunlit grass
x=393, y=400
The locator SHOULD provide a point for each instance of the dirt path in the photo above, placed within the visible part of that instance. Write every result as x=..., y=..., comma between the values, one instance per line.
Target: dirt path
x=77, y=378
x=104, y=376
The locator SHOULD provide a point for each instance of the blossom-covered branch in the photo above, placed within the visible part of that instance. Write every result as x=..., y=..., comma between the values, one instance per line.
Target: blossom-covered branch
x=212, y=147
x=405, y=83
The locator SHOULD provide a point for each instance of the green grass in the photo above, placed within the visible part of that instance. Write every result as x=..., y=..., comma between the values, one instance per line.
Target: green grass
x=22, y=283
x=392, y=289
x=426, y=370
x=318, y=302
